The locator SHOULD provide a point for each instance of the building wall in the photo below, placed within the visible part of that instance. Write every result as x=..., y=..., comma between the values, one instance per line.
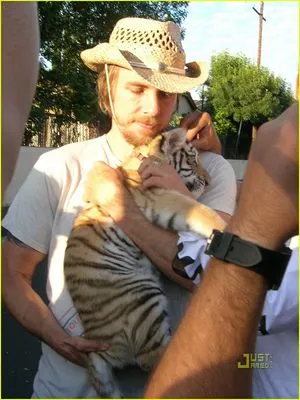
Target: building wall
x=29, y=155
x=239, y=167
x=185, y=106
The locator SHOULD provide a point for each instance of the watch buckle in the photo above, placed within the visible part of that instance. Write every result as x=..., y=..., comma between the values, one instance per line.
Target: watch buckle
x=219, y=244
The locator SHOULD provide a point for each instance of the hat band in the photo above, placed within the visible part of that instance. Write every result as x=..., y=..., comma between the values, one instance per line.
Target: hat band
x=161, y=67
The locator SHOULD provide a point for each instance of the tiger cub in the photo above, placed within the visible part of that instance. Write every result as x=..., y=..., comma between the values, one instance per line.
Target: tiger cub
x=115, y=288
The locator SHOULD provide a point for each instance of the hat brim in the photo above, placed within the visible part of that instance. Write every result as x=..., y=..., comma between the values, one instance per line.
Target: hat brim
x=105, y=53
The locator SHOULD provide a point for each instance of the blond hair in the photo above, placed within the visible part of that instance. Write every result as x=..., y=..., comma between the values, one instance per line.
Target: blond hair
x=102, y=89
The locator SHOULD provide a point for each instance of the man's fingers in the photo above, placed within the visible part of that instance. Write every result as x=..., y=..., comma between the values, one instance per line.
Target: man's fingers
x=152, y=166
x=150, y=162
x=86, y=345
x=201, y=140
x=197, y=133
x=146, y=174
x=153, y=181
x=202, y=128
x=152, y=170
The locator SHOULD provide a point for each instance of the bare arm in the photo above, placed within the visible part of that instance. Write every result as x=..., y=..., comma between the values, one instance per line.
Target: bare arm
x=18, y=266
x=160, y=245
x=201, y=361
x=220, y=323
x=20, y=65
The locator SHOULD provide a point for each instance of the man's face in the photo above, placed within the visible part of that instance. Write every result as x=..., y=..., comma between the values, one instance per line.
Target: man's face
x=142, y=111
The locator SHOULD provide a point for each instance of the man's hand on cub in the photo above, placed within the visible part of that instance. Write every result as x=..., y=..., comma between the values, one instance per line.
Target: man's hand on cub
x=159, y=174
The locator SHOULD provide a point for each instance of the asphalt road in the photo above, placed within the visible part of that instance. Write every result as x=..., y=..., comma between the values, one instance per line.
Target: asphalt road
x=20, y=350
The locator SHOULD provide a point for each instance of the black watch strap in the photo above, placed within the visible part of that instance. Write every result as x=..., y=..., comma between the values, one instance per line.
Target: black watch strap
x=230, y=248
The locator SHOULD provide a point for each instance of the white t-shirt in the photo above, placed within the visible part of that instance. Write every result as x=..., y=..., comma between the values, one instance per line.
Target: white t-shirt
x=42, y=216
x=281, y=342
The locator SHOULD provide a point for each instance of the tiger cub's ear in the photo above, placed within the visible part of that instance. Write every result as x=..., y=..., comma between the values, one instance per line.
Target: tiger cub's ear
x=173, y=140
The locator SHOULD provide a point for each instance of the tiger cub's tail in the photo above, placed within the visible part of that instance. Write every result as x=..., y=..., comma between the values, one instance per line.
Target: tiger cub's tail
x=101, y=376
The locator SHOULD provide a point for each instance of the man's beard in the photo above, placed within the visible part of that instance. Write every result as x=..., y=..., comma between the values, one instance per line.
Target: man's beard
x=139, y=139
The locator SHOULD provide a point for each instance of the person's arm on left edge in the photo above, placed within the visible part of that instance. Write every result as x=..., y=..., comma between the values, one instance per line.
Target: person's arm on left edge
x=20, y=66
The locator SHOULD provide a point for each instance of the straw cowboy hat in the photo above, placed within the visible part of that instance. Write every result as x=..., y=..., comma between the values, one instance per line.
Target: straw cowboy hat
x=153, y=50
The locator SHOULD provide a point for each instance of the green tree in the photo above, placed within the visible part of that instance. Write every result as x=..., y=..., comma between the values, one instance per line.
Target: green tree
x=66, y=88
x=223, y=124
x=240, y=92
x=246, y=92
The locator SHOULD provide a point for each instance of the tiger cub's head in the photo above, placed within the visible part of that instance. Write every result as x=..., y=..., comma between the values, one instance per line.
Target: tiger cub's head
x=172, y=147
x=184, y=157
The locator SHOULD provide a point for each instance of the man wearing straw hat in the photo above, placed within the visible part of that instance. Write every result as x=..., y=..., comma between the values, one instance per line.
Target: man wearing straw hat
x=140, y=72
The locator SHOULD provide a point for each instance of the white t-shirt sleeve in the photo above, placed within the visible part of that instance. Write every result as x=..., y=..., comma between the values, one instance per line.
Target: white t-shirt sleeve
x=220, y=196
x=30, y=216
x=281, y=306
x=191, y=254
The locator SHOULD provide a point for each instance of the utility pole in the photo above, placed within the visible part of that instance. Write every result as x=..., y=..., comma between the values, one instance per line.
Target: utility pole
x=261, y=19
x=260, y=28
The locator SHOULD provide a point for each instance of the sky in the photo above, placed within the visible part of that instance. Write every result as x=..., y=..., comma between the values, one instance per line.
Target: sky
x=212, y=27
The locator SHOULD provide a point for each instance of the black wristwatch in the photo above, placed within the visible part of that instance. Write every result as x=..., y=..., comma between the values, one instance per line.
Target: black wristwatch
x=230, y=248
